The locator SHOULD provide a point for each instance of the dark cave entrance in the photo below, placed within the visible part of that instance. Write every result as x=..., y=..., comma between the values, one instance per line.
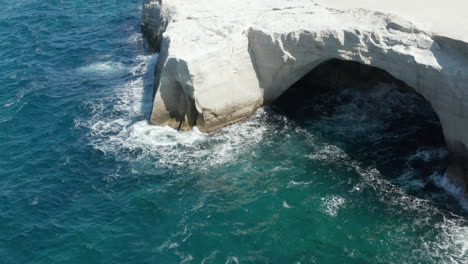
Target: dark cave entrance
x=374, y=117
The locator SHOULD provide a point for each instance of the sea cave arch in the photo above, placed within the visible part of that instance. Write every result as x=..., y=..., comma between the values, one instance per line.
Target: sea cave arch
x=336, y=74
x=223, y=86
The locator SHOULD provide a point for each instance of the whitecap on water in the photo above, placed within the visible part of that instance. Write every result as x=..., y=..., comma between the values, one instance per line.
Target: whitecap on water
x=101, y=68
x=328, y=153
x=331, y=204
x=136, y=39
x=292, y=183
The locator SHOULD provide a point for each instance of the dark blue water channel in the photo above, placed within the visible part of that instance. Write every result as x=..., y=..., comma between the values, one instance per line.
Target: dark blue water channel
x=85, y=179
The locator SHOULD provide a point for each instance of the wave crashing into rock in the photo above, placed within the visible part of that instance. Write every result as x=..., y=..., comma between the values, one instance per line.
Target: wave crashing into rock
x=222, y=60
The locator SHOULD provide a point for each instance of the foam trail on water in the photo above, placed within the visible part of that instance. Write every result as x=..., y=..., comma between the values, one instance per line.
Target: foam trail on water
x=452, y=241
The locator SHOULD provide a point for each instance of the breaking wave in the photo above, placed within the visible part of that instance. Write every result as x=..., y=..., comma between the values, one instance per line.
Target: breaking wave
x=123, y=127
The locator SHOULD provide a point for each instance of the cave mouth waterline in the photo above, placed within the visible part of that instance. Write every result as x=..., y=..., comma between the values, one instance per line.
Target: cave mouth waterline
x=376, y=119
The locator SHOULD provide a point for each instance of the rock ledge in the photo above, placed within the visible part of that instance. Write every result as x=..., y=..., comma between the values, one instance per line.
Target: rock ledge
x=221, y=60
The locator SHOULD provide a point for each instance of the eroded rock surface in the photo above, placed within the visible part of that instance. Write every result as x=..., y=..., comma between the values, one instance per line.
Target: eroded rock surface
x=222, y=60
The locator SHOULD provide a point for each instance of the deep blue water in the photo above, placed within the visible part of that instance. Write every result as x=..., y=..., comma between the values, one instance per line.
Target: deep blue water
x=84, y=179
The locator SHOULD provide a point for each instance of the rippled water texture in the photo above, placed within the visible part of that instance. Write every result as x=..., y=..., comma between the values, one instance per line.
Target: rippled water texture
x=84, y=179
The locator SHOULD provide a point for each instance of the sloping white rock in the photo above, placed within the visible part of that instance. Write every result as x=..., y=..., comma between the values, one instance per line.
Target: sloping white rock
x=437, y=17
x=221, y=60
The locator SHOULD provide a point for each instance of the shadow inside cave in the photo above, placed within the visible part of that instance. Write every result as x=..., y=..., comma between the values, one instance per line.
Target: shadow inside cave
x=377, y=120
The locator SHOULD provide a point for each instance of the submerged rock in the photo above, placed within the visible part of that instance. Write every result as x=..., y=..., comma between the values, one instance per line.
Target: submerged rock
x=222, y=60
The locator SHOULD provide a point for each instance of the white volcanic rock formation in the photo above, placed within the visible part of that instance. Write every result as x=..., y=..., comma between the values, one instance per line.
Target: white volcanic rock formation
x=220, y=60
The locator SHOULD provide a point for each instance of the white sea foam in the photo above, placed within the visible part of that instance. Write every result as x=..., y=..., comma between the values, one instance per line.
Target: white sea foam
x=328, y=153
x=299, y=183
x=10, y=104
x=231, y=260
x=136, y=39
x=102, y=68
x=452, y=240
x=194, y=148
x=331, y=204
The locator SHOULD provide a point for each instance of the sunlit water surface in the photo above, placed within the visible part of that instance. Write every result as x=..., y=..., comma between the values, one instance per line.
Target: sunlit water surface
x=84, y=179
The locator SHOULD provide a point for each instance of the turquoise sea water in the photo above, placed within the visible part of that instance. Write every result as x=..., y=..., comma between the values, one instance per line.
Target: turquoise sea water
x=345, y=177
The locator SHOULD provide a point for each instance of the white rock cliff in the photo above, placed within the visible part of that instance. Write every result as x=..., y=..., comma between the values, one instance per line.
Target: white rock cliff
x=221, y=60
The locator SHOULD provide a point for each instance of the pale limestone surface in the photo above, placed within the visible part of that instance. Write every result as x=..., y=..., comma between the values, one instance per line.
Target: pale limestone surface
x=447, y=18
x=222, y=60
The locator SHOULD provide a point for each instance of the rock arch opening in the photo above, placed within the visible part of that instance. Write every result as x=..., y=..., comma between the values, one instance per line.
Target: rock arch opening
x=374, y=117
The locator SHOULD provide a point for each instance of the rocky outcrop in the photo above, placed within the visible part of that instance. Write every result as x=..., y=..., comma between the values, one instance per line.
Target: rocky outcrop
x=222, y=60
